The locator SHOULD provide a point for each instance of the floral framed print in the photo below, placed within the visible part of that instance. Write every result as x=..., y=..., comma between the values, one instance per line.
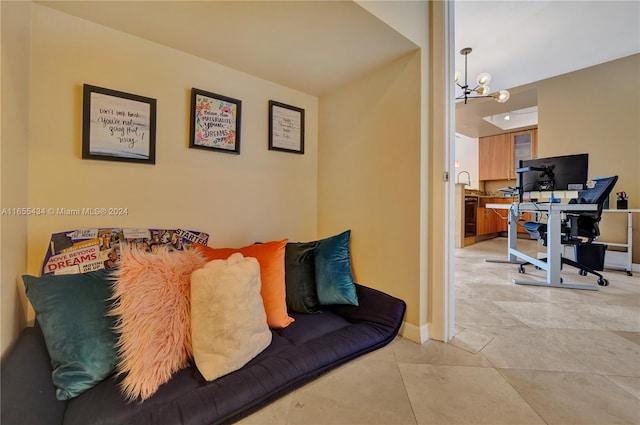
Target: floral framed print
x=118, y=126
x=286, y=128
x=215, y=122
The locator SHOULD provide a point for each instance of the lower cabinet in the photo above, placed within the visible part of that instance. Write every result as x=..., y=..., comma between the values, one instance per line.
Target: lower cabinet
x=486, y=223
x=490, y=221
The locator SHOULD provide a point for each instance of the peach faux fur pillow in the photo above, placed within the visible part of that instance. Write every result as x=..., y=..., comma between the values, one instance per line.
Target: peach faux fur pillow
x=152, y=306
x=228, y=321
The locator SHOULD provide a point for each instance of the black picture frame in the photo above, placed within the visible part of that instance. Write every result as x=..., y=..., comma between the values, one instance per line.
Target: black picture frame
x=286, y=128
x=118, y=126
x=215, y=122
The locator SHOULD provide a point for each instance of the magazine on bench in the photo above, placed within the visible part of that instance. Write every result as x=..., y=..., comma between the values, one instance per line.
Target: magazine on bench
x=87, y=250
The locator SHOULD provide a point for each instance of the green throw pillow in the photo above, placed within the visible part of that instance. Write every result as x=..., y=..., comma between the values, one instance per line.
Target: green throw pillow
x=334, y=278
x=300, y=277
x=72, y=312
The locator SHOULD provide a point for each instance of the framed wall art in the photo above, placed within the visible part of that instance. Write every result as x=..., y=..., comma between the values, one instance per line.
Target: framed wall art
x=286, y=128
x=215, y=122
x=118, y=126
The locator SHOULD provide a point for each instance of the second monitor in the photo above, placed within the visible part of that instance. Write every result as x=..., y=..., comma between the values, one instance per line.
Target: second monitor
x=568, y=172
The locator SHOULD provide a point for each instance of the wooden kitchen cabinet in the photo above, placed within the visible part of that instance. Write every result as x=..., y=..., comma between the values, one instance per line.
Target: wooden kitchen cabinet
x=499, y=154
x=489, y=220
x=502, y=216
x=485, y=221
x=494, y=157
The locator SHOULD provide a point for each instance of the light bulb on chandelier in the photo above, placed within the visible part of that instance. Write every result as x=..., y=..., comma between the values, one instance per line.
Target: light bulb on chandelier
x=482, y=88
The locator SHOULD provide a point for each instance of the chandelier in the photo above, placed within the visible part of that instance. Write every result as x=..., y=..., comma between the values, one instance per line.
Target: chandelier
x=482, y=89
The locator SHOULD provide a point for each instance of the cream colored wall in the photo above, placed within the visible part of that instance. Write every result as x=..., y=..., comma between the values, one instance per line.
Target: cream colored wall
x=13, y=159
x=425, y=23
x=232, y=197
x=467, y=155
x=369, y=177
x=597, y=111
x=237, y=199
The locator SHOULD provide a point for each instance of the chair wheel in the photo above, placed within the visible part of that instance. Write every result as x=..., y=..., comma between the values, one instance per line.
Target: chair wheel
x=582, y=272
x=521, y=269
x=603, y=282
x=629, y=273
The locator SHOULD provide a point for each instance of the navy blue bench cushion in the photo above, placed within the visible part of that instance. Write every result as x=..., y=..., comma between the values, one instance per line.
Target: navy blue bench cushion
x=317, y=344
x=307, y=326
x=28, y=393
x=290, y=357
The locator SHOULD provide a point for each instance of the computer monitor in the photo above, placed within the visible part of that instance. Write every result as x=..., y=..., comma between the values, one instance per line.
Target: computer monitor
x=568, y=172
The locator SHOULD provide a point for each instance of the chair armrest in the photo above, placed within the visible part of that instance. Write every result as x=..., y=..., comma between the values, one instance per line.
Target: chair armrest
x=28, y=395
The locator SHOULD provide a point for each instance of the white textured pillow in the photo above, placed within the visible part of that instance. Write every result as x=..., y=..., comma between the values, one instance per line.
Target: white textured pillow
x=228, y=321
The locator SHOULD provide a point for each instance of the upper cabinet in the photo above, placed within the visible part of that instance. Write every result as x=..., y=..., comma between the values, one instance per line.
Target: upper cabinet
x=495, y=155
x=500, y=154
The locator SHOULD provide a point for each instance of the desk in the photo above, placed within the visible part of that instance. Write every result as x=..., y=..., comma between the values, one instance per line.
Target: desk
x=554, y=213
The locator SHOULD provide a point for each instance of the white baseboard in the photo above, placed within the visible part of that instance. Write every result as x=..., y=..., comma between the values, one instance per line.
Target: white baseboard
x=415, y=333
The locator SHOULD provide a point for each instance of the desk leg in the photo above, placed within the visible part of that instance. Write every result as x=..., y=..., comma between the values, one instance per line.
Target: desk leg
x=629, y=243
x=554, y=247
x=554, y=257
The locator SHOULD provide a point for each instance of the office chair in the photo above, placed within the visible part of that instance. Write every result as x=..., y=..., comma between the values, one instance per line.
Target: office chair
x=578, y=228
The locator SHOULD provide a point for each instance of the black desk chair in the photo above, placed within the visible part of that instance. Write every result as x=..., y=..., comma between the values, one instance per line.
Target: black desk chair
x=580, y=229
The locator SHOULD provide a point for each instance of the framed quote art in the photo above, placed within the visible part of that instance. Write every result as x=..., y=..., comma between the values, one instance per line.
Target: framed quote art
x=118, y=126
x=215, y=122
x=286, y=128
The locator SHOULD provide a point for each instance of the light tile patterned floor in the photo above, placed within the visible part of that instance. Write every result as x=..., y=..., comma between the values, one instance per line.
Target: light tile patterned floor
x=522, y=355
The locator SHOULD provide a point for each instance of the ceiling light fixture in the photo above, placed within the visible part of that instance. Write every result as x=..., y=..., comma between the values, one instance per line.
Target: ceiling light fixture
x=482, y=89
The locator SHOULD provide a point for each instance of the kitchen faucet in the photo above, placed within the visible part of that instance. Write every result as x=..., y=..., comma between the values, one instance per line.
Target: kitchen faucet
x=468, y=175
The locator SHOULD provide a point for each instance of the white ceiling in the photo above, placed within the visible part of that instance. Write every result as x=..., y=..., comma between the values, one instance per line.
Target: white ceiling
x=311, y=46
x=521, y=42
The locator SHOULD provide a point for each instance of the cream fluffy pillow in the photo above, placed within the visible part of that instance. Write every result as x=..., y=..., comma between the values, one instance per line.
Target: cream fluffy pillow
x=228, y=321
x=153, y=308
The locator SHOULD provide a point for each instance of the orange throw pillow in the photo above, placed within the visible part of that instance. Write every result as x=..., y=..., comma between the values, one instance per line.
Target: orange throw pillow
x=270, y=255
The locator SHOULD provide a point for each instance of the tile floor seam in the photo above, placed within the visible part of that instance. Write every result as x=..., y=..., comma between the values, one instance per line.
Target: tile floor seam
x=578, y=374
x=522, y=396
x=570, y=353
x=404, y=385
x=503, y=380
x=469, y=350
x=622, y=388
x=534, y=330
x=564, y=349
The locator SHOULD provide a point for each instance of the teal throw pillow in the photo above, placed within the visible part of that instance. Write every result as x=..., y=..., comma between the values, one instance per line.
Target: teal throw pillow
x=334, y=278
x=300, y=277
x=72, y=313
